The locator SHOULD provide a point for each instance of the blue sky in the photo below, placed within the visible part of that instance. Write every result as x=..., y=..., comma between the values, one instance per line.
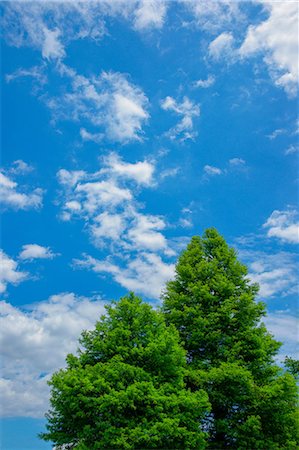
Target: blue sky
x=128, y=127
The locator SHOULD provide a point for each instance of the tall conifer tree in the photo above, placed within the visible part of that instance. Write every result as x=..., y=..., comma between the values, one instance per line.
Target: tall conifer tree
x=230, y=353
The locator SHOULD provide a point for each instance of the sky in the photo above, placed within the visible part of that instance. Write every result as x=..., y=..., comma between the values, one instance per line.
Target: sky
x=127, y=128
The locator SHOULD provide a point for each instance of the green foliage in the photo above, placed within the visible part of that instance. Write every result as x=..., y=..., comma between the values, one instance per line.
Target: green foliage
x=125, y=389
x=212, y=304
x=292, y=366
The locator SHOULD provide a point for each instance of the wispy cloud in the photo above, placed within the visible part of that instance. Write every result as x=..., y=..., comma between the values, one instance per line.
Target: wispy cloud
x=204, y=84
x=49, y=27
x=147, y=273
x=212, y=170
x=187, y=110
x=108, y=103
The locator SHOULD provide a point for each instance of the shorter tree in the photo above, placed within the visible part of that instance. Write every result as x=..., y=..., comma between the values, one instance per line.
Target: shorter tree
x=125, y=389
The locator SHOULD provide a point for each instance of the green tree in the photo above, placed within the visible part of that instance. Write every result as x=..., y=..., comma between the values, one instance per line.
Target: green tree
x=125, y=389
x=230, y=354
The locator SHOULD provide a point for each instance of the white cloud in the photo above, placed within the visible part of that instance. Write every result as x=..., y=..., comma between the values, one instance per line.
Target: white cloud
x=20, y=167
x=276, y=273
x=9, y=272
x=211, y=170
x=109, y=102
x=101, y=193
x=37, y=73
x=222, y=46
x=106, y=201
x=35, y=251
x=187, y=110
x=276, y=133
x=144, y=232
x=237, y=162
x=35, y=342
x=284, y=326
x=149, y=14
x=215, y=15
x=11, y=196
x=276, y=38
x=208, y=82
x=292, y=149
x=146, y=274
x=52, y=47
x=49, y=27
x=94, y=137
x=141, y=171
x=283, y=225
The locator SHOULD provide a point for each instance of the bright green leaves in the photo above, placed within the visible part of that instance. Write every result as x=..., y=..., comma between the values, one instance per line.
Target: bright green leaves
x=230, y=352
x=126, y=389
x=199, y=374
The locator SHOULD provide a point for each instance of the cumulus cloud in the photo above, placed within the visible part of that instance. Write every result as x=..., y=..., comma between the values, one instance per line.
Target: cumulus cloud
x=276, y=273
x=222, y=46
x=114, y=107
x=35, y=342
x=9, y=272
x=146, y=274
x=185, y=109
x=141, y=172
x=283, y=225
x=277, y=39
x=12, y=196
x=35, y=251
x=106, y=202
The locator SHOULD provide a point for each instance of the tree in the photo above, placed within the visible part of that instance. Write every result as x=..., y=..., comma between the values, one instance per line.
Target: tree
x=230, y=354
x=125, y=389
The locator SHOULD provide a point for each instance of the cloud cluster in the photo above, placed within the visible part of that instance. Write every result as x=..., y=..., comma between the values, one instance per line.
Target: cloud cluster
x=15, y=197
x=34, y=343
x=108, y=102
x=215, y=15
x=277, y=38
x=276, y=273
x=49, y=27
x=9, y=272
x=106, y=201
x=283, y=225
x=187, y=110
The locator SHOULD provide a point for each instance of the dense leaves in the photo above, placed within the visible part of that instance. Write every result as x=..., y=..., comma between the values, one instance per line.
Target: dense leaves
x=125, y=389
x=230, y=353
x=198, y=374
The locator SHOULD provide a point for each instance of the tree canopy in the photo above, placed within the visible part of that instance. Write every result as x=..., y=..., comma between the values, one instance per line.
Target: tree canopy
x=125, y=389
x=199, y=373
x=230, y=353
